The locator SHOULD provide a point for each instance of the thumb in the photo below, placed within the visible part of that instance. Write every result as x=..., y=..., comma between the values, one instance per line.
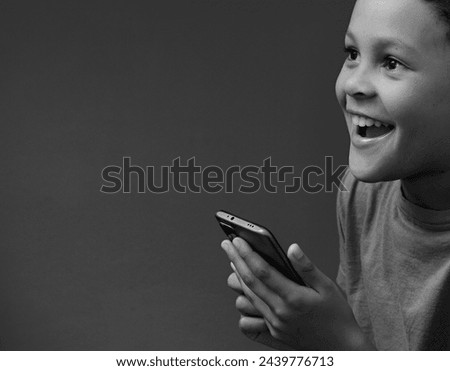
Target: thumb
x=307, y=270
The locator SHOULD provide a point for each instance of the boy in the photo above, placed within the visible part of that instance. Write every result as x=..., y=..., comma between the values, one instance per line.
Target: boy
x=394, y=223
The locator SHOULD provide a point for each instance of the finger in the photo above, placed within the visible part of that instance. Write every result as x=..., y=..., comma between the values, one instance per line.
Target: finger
x=271, y=278
x=248, y=278
x=256, y=329
x=257, y=303
x=252, y=325
x=234, y=283
x=245, y=307
x=307, y=270
x=269, y=317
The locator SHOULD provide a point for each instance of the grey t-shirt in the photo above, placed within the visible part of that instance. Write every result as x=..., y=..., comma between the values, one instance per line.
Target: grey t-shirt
x=394, y=266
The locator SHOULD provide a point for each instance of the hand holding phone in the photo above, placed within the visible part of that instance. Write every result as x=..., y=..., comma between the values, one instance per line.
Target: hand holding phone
x=278, y=312
x=261, y=240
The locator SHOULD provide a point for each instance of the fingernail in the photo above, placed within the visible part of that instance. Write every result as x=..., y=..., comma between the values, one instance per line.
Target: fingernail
x=225, y=245
x=237, y=243
x=297, y=252
x=232, y=266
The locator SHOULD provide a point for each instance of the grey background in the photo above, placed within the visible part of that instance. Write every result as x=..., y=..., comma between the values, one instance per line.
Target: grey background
x=84, y=84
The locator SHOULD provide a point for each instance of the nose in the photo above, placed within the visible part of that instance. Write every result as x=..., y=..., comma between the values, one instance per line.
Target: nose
x=359, y=83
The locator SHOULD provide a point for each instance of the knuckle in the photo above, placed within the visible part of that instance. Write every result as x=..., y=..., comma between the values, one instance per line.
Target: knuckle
x=293, y=301
x=276, y=334
x=281, y=314
x=248, y=279
x=262, y=272
x=276, y=324
x=246, y=255
x=306, y=266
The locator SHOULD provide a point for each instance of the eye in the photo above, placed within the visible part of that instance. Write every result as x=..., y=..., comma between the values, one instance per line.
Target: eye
x=352, y=54
x=391, y=64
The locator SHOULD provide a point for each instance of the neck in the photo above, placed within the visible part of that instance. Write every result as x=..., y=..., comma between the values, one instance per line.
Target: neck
x=430, y=191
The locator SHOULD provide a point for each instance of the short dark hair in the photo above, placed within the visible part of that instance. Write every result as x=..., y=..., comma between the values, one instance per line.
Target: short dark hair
x=443, y=10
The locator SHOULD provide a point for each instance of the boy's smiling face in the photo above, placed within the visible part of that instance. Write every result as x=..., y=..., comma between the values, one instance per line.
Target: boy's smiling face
x=394, y=89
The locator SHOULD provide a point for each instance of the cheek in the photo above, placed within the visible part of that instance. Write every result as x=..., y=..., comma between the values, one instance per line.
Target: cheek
x=423, y=99
x=413, y=109
x=339, y=88
x=404, y=104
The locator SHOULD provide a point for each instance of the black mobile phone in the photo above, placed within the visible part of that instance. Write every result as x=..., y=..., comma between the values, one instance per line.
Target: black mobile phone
x=261, y=240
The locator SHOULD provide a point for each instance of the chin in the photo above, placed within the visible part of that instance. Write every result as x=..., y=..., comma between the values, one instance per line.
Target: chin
x=365, y=176
x=369, y=172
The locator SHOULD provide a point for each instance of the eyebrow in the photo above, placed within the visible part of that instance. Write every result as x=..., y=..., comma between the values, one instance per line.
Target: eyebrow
x=386, y=41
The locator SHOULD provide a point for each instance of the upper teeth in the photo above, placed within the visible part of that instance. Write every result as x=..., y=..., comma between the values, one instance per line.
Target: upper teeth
x=365, y=121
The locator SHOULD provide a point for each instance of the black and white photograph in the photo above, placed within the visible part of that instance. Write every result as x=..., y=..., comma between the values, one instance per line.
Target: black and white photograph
x=230, y=176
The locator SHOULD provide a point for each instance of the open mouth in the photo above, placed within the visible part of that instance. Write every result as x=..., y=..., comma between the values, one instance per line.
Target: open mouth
x=370, y=128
